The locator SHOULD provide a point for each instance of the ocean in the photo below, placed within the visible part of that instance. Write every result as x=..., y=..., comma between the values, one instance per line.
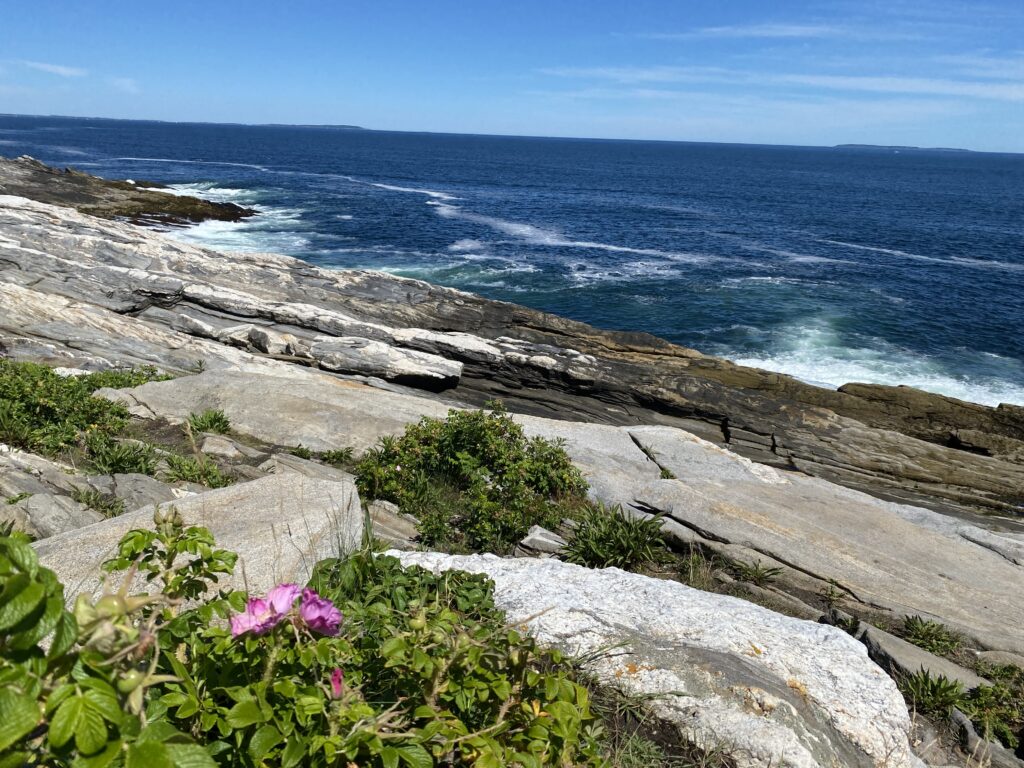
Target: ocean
x=830, y=264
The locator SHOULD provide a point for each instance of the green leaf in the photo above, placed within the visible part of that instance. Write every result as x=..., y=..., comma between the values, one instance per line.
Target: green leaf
x=148, y=754
x=19, y=601
x=389, y=757
x=244, y=714
x=91, y=731
x=64, y=636
x=294, y=751
x=190, y=756
x=21, y=554
x=102, y=758
x=415, y=756
x=44, y=625
x=264, y=740
x=19, y=714
x=106, y=703
x=64, y=722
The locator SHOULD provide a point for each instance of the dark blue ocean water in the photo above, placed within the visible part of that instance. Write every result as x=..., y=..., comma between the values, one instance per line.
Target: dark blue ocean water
x=833, y=265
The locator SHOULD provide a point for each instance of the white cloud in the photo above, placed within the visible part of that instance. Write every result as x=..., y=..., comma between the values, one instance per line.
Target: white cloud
x=761, y=30
x=56, y=69
x=126, y=84
x=1009, y=91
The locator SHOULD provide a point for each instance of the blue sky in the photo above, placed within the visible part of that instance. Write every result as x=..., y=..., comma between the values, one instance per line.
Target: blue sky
x=930, y=73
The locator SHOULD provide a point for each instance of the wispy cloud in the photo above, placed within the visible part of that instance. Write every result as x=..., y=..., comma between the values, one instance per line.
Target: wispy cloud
x=756, y=30
x=987, y=66
x=125, y=84
x=56, y=69
x=999, y=91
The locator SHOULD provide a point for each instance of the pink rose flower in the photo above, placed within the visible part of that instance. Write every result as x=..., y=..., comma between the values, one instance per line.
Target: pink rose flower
x=282, y=597
x=319, y=614
x=259, y=617
x=337, y=683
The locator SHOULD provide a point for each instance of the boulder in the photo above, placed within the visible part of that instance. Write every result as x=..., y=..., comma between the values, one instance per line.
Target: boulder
x=44, y=514
x=899, y=657
x=767, y=689
x=142, y=490
x=280, y=527
x=541, y=541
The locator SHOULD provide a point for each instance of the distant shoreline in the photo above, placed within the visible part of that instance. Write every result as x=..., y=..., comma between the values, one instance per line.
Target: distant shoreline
x=360, y=129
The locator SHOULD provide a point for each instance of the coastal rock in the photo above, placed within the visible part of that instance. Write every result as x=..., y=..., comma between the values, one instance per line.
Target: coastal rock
x=109, y=199
x=815, y=531
x=349, y=354
x=768, y=689
x=280, y=527
x=44, y=514
x=137, y=490
x=899, y=657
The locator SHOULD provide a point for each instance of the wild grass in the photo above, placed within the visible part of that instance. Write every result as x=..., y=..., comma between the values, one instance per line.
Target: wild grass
x=195, y=469
x=607, y=537
x=210, y=420
x=108, y=506
x=933, y=636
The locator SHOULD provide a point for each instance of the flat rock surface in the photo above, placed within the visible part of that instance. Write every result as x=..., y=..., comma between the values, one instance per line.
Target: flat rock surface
x=84, y=292
x=280, y=527
x=771, y=690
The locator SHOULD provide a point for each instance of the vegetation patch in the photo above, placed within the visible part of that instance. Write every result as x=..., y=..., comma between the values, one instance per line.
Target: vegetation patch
x=933, y=636
x=108, y=456
x=371, y=664
x=108, y=506
x=46, y=413
x=195, y=469
x=997, y=710
x=209, y=421
x=606, y=538
x=474, y=480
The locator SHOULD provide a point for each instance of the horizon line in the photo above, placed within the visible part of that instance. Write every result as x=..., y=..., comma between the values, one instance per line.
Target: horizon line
x=357, y=128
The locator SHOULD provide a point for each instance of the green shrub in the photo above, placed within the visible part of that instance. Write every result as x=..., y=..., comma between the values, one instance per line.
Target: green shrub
x=931, y=635
x=341, y=457
x=606, y=538
x=931, y=695
x=109, y=457
x=195, y=470
x=419, y=670
x=209, y=421
x=108, y=506
x=43, y=412
x=302, y=452
x=474, y=480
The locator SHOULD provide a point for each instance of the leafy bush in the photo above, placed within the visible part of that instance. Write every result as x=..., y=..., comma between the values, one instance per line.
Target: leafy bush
x=110, y=457
x=195, y=470
x=209, y=421
x=474, y=480
x=606, y=538
x=413, y=670
x=41, y=411
x=931, y=635
x=81, y=700
x=301, y=451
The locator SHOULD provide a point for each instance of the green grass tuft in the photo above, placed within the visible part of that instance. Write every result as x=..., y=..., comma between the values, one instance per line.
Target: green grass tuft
x=606, y=538
x=195, y=470
x=209, y=421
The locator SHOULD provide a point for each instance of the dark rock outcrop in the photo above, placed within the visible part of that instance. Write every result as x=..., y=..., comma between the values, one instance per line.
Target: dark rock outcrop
x=140, y=203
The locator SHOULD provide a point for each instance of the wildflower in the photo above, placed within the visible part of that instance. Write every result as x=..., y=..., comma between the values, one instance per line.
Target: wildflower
x=259, y=617
x=282, y=597
x=337, y=683
x=319, y=614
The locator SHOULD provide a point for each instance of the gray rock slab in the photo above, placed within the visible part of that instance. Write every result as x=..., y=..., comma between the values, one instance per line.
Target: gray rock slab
x=349, y=354
x=280, y=527
x=138, y=490
x=43, y=514
x=885, y=556
x=900, y=657
x=297, y=406
x=280, y=463
x=541, y=540
x=771, y=690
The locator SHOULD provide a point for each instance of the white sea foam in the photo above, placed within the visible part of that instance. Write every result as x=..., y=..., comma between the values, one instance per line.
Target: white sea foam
x=466, y=244
x=962, y=261
x=814, y=353
x=431, y=193
x=193, y=162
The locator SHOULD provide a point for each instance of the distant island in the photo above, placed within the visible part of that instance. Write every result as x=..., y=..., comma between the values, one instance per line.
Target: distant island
x=900, y=148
